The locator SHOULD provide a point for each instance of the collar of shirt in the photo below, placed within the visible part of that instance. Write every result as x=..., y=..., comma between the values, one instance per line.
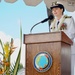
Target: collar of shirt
x=59, y=19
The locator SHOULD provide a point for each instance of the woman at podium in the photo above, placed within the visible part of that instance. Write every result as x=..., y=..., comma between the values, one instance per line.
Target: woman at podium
x=63, y=23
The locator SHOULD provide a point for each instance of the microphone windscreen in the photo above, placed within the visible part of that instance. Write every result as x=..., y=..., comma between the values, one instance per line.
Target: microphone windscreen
x=51, y=17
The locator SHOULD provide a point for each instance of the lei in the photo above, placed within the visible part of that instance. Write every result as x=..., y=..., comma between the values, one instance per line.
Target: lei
x=61, y=25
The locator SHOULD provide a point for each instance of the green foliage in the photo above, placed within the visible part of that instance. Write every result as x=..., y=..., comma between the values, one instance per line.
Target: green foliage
x=14, y=68
x=2, y=48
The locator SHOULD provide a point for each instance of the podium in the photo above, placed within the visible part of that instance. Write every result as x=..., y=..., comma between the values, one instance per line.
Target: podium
x=57, y=44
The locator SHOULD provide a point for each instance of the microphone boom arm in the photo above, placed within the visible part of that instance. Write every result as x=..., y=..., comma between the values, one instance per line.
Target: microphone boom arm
x=51, y=17
x=34, y=26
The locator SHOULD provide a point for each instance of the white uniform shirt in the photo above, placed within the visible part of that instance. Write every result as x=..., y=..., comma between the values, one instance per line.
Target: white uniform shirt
x=69, y=31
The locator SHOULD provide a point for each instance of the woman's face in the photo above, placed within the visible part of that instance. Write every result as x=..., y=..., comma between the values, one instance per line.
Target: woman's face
x=57, y=11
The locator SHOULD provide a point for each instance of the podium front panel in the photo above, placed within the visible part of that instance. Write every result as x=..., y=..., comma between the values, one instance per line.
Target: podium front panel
x=53, y=49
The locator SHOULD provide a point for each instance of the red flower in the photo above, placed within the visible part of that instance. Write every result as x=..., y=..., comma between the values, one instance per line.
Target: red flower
x=63, y=26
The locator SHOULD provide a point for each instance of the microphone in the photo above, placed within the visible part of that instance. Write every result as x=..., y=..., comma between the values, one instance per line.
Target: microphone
x=51, y=17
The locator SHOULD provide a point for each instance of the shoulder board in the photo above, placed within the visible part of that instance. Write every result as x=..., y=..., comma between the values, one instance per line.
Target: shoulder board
x=67, y=16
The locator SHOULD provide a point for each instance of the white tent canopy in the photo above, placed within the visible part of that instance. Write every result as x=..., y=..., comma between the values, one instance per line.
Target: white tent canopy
x=32, y=2
x=10, y=1
x=68, y=4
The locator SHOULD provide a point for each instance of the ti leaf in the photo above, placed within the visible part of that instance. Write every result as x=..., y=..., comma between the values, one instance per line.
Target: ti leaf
x=16, y=67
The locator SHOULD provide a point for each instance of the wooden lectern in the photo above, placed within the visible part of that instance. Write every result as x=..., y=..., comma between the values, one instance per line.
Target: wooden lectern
x=57, y=44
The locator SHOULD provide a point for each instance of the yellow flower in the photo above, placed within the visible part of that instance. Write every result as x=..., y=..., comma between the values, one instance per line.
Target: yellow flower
x=9, y=48
x=6, y=50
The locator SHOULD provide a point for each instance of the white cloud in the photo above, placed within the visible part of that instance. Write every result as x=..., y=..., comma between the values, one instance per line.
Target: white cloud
x=6, y=38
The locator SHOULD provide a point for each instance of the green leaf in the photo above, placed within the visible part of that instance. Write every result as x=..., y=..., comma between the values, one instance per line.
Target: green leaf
x=20, y=36
x=16, y=67
x=2, y=48
x=12, y=68
x=17, y=63
x=1, y=53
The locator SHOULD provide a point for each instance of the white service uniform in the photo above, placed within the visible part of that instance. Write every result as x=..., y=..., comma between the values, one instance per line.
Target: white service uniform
x=70, y=32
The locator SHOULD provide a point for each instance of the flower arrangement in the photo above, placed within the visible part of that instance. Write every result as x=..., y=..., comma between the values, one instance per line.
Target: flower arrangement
x=6, y=68
x=8, y=49
x=63, y=26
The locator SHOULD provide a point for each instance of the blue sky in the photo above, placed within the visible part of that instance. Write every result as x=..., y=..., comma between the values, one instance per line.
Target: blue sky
x=11, y=14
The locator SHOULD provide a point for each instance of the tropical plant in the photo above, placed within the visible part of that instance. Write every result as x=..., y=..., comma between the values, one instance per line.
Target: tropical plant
x=8, y=48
